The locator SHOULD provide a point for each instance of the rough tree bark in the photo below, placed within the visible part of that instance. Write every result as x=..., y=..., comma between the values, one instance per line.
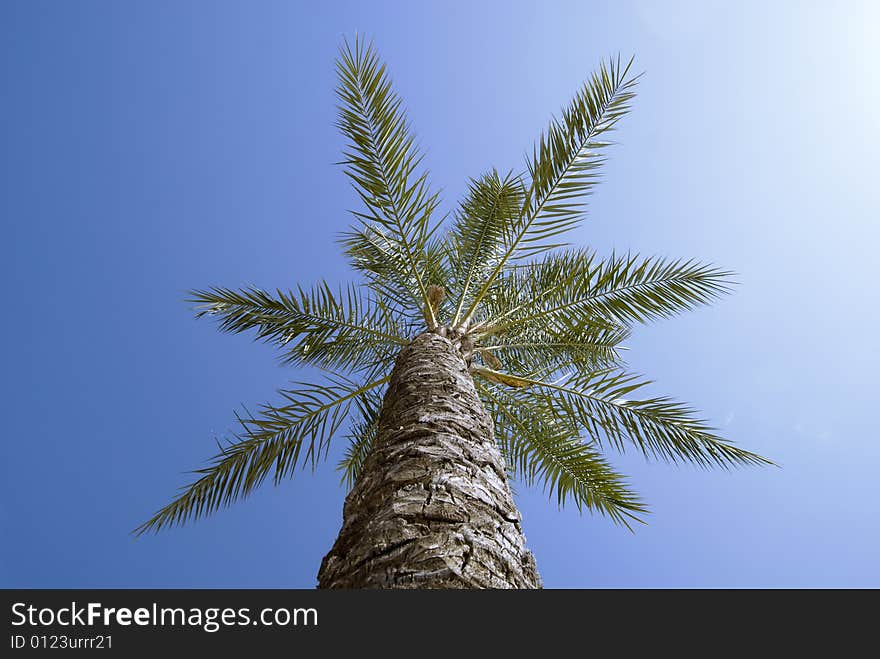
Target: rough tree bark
x=432, y=507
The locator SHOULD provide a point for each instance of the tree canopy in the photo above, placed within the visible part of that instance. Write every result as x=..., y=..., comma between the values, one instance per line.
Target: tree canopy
x=540, y=322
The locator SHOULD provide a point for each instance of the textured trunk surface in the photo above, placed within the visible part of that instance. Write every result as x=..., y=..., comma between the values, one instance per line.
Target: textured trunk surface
x=432, y=507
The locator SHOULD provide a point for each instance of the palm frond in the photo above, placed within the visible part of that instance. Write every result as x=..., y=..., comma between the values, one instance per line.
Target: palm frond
x=362, y=435
x=386, y=267
x=659, y=427
x=343, y=330
x=477, y=234
x=271, y=442
x=498, y=377
x=381, y=159
x=546, y=448
x=564, y=167
x=572, y=286
x=529, y=349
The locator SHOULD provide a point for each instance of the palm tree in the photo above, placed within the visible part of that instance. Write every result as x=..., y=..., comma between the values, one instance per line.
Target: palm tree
x=473, y=350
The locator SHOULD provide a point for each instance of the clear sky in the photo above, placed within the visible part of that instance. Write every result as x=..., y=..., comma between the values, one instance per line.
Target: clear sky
x=153, y=147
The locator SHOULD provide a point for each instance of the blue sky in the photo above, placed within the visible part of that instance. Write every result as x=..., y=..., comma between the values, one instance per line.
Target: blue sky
x=150, y=148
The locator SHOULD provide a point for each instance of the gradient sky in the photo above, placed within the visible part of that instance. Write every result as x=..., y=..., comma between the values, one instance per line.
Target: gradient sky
x=153, y=147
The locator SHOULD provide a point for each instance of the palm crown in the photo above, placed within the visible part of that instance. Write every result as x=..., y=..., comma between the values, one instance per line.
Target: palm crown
x=539, y=323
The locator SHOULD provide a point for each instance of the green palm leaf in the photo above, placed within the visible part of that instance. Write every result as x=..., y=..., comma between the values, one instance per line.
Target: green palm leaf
x=574, y=286
x=381, y=160
x=660, y=427
x=529, y=349
x=269, y=443
x=564, y=167
x=362, y=435
x=545, y=448
x=343, y=330
x=485, y=216
x=385, y=264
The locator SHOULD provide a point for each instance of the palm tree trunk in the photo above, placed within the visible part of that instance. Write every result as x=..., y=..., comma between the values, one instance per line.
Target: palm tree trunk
x=432, y=507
